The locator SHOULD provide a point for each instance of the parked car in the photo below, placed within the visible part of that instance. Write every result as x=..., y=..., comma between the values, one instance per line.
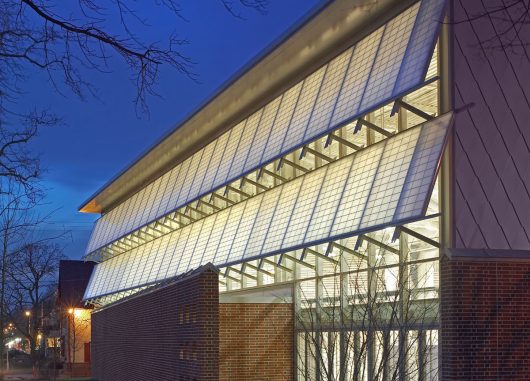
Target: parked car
x=19, y=359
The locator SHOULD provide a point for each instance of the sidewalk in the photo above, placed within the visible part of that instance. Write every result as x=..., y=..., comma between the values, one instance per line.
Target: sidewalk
x=18, y=377
x=25, y=375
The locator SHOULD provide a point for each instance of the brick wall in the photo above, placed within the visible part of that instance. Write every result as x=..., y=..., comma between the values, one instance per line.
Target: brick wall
x=485, y=312
x=166, y=335
x=256, y=342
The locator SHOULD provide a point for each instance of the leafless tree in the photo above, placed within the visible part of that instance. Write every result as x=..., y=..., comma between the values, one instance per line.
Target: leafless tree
x=17, y=199
x=375, y=322
x=510, y=20
x=64, y=40
x=32, y=278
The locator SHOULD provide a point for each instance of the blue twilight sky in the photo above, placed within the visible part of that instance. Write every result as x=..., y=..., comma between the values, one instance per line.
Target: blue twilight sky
x=99, y=137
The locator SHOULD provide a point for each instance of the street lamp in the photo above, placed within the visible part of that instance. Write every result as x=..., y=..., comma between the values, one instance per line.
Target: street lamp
x=28, y=314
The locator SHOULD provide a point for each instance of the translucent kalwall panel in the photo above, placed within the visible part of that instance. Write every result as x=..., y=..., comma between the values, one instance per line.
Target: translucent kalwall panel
x=387, y=63
x=283, y=120
x=299, y=221
x=391, y=174
x=246, y=226
x=259, y=145
x=197, y=179
x=385, y=184
x=177, y=242
x=321, y=214
x=327, y=96
x=389, y=57
x=350, y=96
x=357, y=190
x=413, y=68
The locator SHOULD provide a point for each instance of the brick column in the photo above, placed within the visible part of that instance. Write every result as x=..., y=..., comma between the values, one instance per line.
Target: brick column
x=485, y=315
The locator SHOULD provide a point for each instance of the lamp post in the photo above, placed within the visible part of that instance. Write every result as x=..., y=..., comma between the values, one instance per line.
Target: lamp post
x=28, y=315
x=71, y=336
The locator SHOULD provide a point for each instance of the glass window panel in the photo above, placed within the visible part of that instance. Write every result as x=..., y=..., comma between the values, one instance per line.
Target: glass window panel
x=357, y=287
x=118, y=275
x=301, y=356
x=130, y=263
x=149, y=258
x=107, y=224
x=330, y=289
x=411, y=351
x=304, y=271
x=138, y=263
x=177, y=187
x=308, y=293
x=431, y=355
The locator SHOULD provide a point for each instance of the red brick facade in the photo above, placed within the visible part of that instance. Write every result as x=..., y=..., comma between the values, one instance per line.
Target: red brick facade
x=485, y=312
x=181, y=332
x=256, y=342
x=169, y=334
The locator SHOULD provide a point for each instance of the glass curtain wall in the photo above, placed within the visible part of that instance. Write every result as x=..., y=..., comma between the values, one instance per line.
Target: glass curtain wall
x=372, y=314
x=369, y=311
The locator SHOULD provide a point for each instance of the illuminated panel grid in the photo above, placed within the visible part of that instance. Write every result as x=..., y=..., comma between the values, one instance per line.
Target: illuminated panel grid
x=388, y=183
x=387, y=63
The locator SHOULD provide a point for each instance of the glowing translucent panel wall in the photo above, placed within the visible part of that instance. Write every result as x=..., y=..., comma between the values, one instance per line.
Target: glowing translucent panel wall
x=389, y=62
x=388, y=183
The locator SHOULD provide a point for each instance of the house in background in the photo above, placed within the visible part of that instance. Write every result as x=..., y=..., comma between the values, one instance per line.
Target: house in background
x=74, y=316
